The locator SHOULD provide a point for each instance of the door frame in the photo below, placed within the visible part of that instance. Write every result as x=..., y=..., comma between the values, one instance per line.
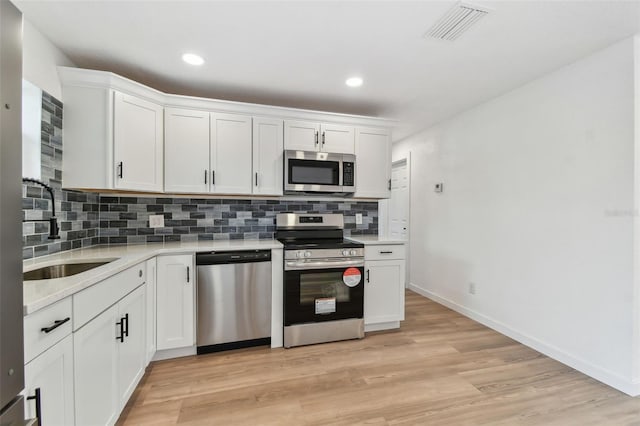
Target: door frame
x=384, y=210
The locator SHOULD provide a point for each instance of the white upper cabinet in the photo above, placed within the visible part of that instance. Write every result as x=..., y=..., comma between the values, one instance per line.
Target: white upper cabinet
x=137, y=144
x=337, y=139
x=186, y=148
x=301, y=135
x=373, y=157
x=118, y=136
x=310, y=136
x=230, y=154
x=268, y=159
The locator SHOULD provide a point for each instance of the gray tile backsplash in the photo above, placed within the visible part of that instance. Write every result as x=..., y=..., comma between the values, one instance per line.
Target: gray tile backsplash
x=87, y=219
x=125, y=220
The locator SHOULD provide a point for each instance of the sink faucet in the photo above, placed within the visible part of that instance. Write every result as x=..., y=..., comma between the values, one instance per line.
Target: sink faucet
x=53, y=222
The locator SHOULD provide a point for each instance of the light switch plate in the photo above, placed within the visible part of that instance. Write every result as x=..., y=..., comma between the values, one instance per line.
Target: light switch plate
x=156, y=221
x=358, y=218
x=439, y=187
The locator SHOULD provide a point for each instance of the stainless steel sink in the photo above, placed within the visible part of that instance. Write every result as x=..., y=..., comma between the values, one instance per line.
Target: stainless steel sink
x=61, y=270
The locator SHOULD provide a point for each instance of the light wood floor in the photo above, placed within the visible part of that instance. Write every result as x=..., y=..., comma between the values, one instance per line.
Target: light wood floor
x=440, y=368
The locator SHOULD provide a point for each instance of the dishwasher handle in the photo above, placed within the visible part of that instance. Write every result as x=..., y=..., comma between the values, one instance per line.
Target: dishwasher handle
x=238, y=256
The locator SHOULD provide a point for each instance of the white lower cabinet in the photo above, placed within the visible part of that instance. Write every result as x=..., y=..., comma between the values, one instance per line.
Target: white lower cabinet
x=96, y=370
x=175, y=307
x=109, y=358
x=384, y=288
x=132, y=350
x=50, y=377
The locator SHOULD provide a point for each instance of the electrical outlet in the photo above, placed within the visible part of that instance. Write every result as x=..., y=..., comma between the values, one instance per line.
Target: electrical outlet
x=439, y=187
x=156, y=221
x=472, y=288
x=358, y=218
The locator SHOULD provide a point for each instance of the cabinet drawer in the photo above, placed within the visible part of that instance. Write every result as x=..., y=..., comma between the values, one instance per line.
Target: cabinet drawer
x=90, y=302
x=37, y=340
x=384, y=252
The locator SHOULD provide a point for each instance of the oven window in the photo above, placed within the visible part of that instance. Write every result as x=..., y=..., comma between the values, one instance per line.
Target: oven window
x=314, y=172
x=322, y=285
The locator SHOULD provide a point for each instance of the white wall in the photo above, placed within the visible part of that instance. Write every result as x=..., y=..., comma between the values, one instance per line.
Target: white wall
x=538, y=212
x=40, y=61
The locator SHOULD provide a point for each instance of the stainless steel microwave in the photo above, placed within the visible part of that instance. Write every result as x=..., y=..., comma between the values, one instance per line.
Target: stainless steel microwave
x=308, y=171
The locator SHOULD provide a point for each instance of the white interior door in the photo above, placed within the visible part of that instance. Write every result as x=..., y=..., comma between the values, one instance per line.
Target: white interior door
x=399, y=203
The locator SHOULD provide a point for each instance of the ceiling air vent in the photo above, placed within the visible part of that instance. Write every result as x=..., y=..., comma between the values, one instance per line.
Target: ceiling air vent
x=456, y=21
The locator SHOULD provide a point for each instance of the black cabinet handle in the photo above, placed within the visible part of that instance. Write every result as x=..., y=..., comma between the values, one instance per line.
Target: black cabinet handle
x=38, y=405
x=188, y=274
x=386, y=252
x=368, y=275
x=213, y=177
x=206, y=173
x=389, y=184
x=322, y=138
x=256, y=178
x=316, y=137
x=121, y=324
x=126, y=325
x=120, y=169
x=56, y=324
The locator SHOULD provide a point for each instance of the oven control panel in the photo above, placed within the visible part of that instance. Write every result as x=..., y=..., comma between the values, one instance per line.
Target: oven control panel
x=323, y=253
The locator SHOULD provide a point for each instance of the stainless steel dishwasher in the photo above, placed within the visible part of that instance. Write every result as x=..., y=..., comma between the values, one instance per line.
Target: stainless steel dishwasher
x=234, y=299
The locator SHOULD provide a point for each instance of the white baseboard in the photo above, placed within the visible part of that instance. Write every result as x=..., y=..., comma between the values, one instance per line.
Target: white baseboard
x=174, y=353
x=381, y=326
x=603, y=375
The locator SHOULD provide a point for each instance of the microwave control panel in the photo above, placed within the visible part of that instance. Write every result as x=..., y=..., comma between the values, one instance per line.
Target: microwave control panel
x=347, y=174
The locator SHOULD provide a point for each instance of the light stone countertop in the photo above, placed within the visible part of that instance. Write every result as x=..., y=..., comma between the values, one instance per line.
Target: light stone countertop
x=374, y=240
x=41, y=293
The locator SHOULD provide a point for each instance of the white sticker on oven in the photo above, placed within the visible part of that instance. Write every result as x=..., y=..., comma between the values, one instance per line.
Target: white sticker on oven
x=351, y=277
x=326, y=305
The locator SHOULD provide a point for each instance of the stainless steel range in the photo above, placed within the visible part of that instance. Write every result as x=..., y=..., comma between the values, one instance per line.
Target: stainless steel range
x=323, y=280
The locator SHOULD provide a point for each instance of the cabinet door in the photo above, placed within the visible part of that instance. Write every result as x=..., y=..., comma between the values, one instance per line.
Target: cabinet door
x=95, y=354
x=151, y=309
x=132, y=350
x=301, y=135
x=337, y=139
x=175, y=302
x=230, y=154
x=186, y=148
x=384, y=291
x=373, y=163
x=137, y=141
x=268, y=162
x=52, y=373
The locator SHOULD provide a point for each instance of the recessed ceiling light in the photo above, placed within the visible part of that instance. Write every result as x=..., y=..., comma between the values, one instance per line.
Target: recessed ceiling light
x=354, y=82
x=192, y=59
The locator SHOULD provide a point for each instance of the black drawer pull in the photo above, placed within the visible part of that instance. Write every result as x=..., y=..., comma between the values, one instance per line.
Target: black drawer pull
x=368, y=276
x=56, y=324
x=386, y=252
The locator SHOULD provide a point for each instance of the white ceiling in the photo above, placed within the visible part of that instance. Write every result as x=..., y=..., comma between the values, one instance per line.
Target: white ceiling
x=299, y=53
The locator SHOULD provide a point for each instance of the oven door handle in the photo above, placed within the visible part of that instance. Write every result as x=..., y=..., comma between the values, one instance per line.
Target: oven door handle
x=292, y=265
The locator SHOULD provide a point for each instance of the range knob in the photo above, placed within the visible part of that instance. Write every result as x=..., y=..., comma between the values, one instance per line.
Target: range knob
x=307, y=254
x=300, y=254
x=345, y=252
x=353, y=253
